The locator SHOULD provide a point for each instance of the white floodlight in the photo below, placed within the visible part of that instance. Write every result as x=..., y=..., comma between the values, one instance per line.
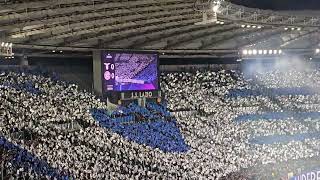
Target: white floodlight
x=280, y=51
x=250, y=52
x=6, y=44
x=259, y=27
x=275, y=51
x=299, y=29
x=270, y=51
x=2, y=44
x=10, y=44
x=285, y=28
x=317, y=51
x=260, y=51
x=292, y=29
x=254, y=26
x=222, y=22
x=265, y=51
x=248, y=26
x=239, y=60
x=254, y=52
x=245, y=52
x=243, y=26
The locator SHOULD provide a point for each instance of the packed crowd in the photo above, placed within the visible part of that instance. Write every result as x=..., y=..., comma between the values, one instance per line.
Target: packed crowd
x=208, y=143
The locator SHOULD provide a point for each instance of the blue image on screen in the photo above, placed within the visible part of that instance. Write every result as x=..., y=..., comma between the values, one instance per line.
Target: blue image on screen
x=136, y=72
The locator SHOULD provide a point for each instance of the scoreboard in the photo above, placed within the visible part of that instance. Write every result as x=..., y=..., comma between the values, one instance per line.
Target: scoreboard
x=130, y=75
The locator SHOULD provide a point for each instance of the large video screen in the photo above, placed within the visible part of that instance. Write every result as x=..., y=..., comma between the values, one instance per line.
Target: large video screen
x=130, y=71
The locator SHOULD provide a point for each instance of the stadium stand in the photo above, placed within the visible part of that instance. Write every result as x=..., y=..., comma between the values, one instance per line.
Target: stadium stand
x=225, y=136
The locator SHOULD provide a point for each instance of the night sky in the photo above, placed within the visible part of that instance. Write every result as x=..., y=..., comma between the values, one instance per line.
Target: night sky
x=280, y=4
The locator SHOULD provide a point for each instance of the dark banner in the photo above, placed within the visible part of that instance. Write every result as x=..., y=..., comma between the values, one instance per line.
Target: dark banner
x=137, y=95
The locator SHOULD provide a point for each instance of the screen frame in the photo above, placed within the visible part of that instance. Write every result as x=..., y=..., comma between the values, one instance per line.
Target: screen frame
x=132, y=52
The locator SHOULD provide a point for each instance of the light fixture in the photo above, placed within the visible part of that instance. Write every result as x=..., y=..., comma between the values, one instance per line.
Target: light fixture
x=250, y=52
x=243, y=26
x=259, y=27
x=245, y=52
x=280, y=51
x=317, y=51
x=260, y=51
x=270, y=51
x=299, y=29
x=2, y=44
x=292, y=29
x=265, y=51
x=254, y=52
x=285, y=28
x=248, y=26
x=53, y=51
x=254, y=26
x=275, y=51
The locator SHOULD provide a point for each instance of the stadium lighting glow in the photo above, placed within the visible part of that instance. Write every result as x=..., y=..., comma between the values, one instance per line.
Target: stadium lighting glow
x=285, y=28
x=317, y=51
x=248, y=26
x=299, y=29
x=259, y=27
x=245, y=52
x=239, y=60
x=221, y=22
x=6, y=50
x=265, y=51
x=254, y=26
x=254, y=52
x=292, y=29
x=243, y=26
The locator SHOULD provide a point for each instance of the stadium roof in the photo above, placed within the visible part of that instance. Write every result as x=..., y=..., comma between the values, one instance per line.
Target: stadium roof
x=165, y=25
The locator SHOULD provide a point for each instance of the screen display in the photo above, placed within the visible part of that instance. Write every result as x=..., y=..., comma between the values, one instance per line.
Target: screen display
x=130, y=71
